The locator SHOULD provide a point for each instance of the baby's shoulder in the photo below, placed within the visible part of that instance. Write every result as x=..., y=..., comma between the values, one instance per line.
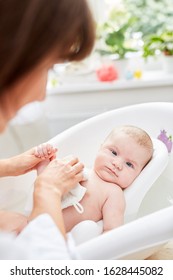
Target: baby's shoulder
x=115, y=191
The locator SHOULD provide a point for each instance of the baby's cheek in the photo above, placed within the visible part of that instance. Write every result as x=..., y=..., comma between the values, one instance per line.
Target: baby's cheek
x=125, y=182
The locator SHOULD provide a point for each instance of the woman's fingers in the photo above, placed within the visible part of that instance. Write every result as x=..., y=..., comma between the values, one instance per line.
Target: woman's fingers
x=70, y=159
x=73, y=164
x=78, y=167
x=80, y=177
x=63, y=174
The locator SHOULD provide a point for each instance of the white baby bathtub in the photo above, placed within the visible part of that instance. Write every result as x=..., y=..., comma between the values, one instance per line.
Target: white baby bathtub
x=149, y=225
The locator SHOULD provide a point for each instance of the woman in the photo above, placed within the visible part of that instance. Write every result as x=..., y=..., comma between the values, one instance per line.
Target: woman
x=34, y=35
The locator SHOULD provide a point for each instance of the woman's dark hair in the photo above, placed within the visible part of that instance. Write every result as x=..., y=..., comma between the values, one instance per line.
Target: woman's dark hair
x=31, y=30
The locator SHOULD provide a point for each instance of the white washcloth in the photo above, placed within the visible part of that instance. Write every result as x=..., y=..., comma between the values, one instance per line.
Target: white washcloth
x=73, y=198
x=75, y=195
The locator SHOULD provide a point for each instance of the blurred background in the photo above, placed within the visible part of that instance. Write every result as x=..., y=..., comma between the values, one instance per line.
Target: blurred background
x=132, y=62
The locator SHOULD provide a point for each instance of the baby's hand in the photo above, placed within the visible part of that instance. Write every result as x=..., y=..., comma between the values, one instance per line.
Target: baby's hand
x=45, y=151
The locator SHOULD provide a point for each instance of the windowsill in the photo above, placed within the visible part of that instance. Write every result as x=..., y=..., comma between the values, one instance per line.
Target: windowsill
x=87, y=83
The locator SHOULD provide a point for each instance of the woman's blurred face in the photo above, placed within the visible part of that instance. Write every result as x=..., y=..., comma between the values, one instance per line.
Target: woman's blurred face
x=31, y=87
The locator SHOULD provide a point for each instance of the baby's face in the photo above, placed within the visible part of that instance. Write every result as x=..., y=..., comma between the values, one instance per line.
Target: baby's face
x=120, y=160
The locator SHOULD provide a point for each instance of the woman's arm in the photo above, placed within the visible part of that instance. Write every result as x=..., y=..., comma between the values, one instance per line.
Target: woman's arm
x=12, y=222
x=4, y=168
x=57, y=179
x=23, y=163
x=47, y=200
x=19, y=164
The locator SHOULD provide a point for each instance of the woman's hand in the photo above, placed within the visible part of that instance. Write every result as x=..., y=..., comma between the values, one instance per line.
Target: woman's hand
x=59, y=177
x=12, y=222
x=24, y=162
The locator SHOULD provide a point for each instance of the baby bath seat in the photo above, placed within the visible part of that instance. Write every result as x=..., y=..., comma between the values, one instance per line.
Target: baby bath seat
x=143, y=233
x=138, y=238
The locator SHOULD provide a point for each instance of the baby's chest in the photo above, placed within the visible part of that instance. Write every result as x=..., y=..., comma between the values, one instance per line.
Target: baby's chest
x=92, y=204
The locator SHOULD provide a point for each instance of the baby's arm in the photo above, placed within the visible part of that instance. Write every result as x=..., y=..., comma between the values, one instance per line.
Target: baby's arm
x=47, y=153
x=113, y=209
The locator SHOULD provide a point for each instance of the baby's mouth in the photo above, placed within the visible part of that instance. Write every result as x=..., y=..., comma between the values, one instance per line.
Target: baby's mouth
x=112, y=171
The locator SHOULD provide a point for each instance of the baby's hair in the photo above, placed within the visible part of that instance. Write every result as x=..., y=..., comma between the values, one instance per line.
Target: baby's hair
x=138, y=134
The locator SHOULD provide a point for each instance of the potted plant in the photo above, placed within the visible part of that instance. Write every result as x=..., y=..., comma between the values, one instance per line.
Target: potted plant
x=114, y=39
x=161, y=42
x=115, y=34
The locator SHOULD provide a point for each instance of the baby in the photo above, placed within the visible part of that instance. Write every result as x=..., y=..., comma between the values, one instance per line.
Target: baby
x=120, y=159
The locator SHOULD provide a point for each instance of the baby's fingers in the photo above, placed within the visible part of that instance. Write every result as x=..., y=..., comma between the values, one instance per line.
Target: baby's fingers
x=45, y=150
x=37, y=152
x=51, y=151
x=41, y=151
x=52, y=157
x=49, y=148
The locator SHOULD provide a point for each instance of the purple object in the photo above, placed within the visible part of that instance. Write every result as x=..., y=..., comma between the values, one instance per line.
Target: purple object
x=169, y=144
x=165, y=139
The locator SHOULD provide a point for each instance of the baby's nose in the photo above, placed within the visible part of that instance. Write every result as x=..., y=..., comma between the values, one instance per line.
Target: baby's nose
x=117, y=163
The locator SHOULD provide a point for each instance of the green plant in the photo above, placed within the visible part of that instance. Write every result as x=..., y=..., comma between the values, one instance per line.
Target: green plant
x=135, y=20
x=162, y=42
x=114, y=35
x=151, y=15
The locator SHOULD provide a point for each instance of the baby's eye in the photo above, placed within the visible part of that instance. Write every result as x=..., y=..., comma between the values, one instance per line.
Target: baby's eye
x=129, y=164
x=114, y=153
